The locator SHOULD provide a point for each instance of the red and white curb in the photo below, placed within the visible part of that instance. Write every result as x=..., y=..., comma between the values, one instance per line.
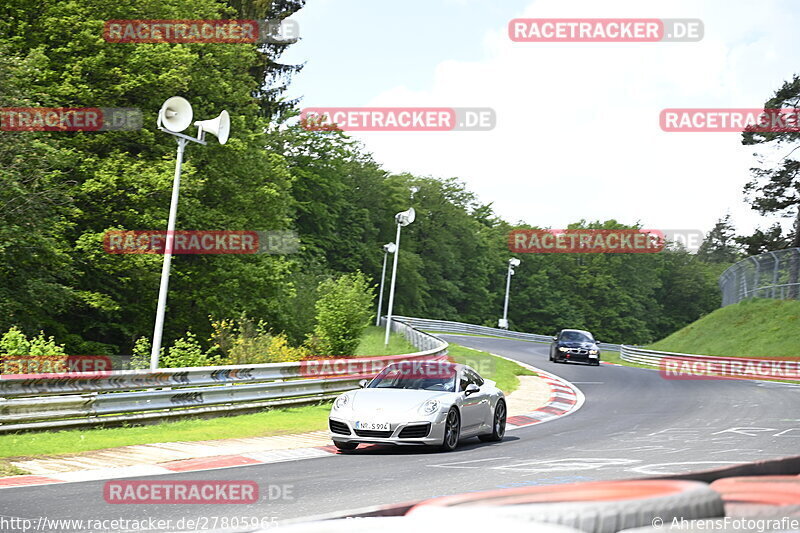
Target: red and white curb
x=565, y=398
x=171, y=467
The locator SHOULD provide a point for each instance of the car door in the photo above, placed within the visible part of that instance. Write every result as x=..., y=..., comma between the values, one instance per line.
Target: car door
x=476, y=407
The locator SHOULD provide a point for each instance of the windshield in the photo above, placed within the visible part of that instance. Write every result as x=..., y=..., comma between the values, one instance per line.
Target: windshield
x=576, y=336
x=432, y=377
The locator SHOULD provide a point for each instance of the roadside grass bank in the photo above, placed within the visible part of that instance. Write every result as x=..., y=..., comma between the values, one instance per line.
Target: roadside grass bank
x=432, y=332
x=499, y=370
x=372, y=343
x=751, y=328
x=264, y=424
x=614, y=357
x=7, y=469
x=278, y=421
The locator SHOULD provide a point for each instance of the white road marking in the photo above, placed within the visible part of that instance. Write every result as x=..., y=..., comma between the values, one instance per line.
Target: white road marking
x=748, y=450
x=781, y=434
x=750, y=432
x=567, y=464
x=452, y=465
x=656, y=469
x=690, y=431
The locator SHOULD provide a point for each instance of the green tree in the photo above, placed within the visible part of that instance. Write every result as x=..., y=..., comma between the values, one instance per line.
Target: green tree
x=762, y=241
x=123, y=180
x=35, y=265
x=720, y=245
x=776, y=189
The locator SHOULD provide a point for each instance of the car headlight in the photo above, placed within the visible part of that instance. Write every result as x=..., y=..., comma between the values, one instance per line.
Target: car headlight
x=562, y=349
x=341, y=402
x=430, y=407
x=592, y=352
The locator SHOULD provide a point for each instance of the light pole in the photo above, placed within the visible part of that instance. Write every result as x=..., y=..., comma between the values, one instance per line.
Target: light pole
x=387, y=249
x=174, y=117
x=513, y=262
x=403, y=219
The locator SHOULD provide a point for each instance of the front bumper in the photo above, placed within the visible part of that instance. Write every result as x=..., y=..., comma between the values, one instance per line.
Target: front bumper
x=402, y=433
x=585, y=357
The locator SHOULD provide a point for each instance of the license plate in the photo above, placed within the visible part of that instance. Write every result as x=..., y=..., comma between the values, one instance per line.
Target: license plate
x=593, y=356
x=374, y=426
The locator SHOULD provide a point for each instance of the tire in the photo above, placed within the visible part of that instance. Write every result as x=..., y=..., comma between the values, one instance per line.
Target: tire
x=452, y=431
x=346, y=446
x=760, y=496
x=593, y=507
x=498, y=424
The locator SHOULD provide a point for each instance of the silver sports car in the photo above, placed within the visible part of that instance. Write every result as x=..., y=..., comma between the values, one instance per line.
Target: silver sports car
x=419, y=402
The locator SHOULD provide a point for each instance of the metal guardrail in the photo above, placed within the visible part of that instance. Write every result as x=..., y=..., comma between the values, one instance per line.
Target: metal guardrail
x=80, y=398
x=415, y=336
x=770, y=275
x=742, y=367
x=446, y=326
x=643, y=356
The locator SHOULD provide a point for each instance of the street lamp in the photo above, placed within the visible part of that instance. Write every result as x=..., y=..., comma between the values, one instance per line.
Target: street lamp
x=403, y=219
x=513, y=262
x=387, y=249
x=174, y=117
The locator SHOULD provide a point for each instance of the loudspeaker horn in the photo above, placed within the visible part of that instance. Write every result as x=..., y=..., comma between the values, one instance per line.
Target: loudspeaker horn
x=176, y=114
x=220, y=127
x=406, y=217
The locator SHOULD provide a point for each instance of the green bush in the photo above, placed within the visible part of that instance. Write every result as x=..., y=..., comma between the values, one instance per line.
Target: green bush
x=141, y=354
x=14, y=344
x=186, y=352
x=344, y=309
x=246, y=342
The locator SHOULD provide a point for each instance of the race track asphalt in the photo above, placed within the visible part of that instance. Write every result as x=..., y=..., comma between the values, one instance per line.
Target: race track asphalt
x=634, y=423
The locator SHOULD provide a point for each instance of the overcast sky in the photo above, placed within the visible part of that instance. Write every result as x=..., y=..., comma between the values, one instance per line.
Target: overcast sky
x=577, y=132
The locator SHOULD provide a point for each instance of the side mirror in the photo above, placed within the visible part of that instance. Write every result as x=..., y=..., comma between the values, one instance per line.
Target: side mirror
x=597, y=342
x=363, y=383
x=471, y=389
x=555, y=337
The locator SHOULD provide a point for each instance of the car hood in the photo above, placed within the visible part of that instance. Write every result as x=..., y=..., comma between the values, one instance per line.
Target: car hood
x=392, y=400
x=575, y=344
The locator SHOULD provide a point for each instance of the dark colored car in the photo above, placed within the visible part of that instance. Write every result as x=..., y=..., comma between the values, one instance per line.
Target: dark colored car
x=574, y=345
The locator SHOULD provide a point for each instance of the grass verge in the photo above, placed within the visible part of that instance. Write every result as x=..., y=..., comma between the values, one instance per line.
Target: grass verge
x=372, y=343
x=432, y=332
x=613, y=357
x=7, y=469
x=272, y=422
x=752, y=328
x=501, y=371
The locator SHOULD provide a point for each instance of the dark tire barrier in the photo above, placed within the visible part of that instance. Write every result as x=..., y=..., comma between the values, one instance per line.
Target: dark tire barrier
x=598, y=507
